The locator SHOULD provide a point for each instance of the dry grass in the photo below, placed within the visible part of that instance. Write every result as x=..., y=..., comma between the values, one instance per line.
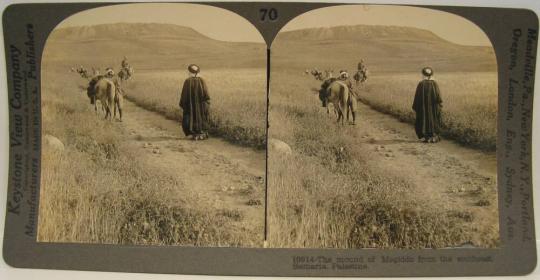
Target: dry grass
x=326, y=195
x=238, y=101
x=95, y=192
x=469, y=103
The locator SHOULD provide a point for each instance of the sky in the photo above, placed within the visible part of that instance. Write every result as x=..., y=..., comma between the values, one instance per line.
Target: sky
x=224, y=25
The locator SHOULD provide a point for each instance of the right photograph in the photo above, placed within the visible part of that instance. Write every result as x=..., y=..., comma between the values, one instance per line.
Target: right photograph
x=382, y=131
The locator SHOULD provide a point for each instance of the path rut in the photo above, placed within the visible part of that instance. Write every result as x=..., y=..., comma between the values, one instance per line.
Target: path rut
x=449, y=176
x=213, y=174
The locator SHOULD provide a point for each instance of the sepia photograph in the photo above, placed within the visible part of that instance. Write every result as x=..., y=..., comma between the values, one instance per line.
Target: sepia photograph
x=382, y=131
x=270, y=139
x=154, y=128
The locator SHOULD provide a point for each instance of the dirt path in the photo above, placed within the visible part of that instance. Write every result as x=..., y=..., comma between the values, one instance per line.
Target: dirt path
x=212, y=174
x=449, y=176
x=216, y=175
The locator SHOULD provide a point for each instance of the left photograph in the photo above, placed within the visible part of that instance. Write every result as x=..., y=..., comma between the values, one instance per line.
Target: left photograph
x=153, y=128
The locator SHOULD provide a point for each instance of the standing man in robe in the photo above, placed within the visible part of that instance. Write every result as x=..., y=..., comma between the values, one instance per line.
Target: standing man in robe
x=125, y=63
x=362, y=69
x=119, y=91
x=353, y=97
x=195, y=102
x=427, y=105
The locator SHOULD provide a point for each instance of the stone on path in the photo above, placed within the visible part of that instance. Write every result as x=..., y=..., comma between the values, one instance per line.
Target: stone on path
x=278, y=146
x=53, y=143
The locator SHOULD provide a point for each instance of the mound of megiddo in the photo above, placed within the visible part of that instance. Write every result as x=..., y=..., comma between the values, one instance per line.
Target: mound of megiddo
x=384, y=48
x=148, y=46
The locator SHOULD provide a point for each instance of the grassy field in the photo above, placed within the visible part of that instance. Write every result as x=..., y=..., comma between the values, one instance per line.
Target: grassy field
x=237, y=100
x=96, y=192
x=469, y=103
x=327, y=195
x=324, y=195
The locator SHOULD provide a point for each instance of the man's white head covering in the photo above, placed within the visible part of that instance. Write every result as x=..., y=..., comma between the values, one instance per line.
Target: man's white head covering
x=109, y=71
x=427, y=71
x=194, y=68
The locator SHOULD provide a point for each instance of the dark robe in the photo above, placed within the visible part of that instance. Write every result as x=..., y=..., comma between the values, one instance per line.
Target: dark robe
x=427, y=105
x=194, y=103
x=349, y=84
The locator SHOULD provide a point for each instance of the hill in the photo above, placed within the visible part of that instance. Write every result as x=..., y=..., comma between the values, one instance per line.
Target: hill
x=147, y=46
x=359, y=33
x=384, y=48
x=125, y=31
x=169, y=47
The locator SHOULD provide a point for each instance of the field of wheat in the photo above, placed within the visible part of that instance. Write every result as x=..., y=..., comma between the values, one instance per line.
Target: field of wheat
x=96, y=192
x=327, y=195
x=237, y=100
x=469, y=103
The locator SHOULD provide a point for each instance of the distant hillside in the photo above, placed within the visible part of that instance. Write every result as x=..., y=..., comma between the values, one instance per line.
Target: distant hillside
x=147, y=46
x=359, y=32
x=384, y=49
x=171, y=47
x=126, y=31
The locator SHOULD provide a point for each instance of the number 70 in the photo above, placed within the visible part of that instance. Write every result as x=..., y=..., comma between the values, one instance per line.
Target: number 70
x=268, y=14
